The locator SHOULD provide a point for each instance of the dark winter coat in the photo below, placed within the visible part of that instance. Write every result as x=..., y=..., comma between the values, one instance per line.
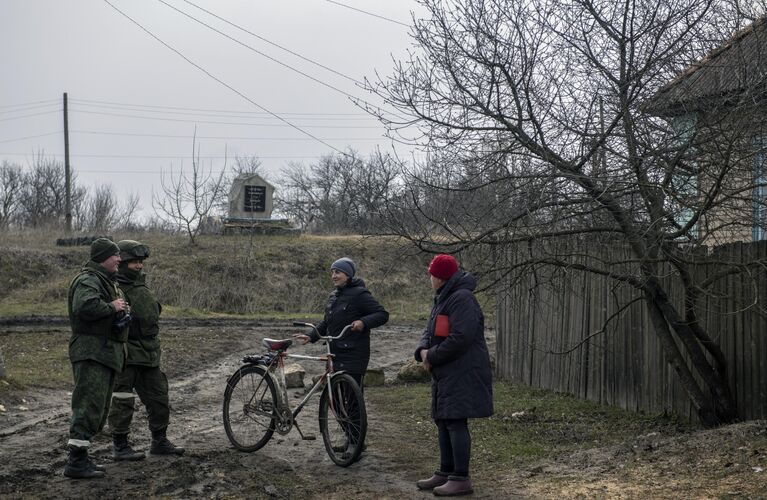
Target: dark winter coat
x=347, y=304
x=143, y=341
x=92, y=317
x=462, y=380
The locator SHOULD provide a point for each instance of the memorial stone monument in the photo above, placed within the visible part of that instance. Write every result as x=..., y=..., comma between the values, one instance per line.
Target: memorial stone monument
x=250, y=208
x=250, y=198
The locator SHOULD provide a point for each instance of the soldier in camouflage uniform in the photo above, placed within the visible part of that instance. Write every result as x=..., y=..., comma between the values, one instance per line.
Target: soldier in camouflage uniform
x=142, y=370
x=98, y=316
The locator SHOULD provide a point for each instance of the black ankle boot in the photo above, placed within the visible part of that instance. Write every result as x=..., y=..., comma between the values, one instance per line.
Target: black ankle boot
x=122, y=450
x=162, y=446
x=78, y=465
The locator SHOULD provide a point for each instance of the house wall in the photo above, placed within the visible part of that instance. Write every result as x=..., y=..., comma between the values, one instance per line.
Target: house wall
x=726, y=151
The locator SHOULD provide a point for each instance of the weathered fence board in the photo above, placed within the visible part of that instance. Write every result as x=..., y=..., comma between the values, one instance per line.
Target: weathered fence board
x=549, y=336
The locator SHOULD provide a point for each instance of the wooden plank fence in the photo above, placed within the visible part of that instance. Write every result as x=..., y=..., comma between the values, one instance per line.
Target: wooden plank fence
x=549, y=322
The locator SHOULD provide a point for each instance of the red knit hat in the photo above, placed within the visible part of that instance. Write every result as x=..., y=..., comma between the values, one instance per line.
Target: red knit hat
x=443, y=266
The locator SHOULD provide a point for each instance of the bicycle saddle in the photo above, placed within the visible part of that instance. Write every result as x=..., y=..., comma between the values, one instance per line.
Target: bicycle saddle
x=277, y=345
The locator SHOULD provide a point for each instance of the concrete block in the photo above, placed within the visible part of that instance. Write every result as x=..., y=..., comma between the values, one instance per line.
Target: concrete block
x=294, y=376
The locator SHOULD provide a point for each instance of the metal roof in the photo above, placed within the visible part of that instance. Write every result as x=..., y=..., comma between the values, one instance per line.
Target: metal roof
x=734, y=68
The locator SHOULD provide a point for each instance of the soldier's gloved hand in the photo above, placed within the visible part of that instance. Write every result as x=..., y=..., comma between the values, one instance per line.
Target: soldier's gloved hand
x=119, y=305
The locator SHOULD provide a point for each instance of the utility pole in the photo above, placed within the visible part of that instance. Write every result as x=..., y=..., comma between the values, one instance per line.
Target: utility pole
x=67, y=171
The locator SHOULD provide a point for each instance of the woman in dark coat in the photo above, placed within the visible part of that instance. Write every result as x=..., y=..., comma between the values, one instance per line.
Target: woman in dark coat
x=349, y=304
x=454, y=350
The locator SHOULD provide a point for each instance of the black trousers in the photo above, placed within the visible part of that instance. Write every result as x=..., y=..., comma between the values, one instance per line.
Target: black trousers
x=454, y=446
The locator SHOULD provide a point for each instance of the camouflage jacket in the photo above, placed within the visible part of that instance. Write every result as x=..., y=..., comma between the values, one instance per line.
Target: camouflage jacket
x=143, y=340
x=92, y=317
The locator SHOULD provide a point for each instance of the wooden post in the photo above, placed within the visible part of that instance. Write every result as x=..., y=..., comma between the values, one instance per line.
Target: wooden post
x=67, y=171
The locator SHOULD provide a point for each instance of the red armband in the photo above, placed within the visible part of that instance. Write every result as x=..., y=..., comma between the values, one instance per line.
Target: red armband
x=441, y=326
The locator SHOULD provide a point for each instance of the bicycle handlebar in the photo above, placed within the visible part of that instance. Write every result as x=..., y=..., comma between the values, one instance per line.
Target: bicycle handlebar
x=326, y=337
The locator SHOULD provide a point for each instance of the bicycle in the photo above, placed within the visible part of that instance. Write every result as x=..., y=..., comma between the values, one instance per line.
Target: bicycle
x=256, y=403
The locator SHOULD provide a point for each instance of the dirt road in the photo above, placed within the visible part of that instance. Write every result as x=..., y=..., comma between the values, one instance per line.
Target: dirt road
x=730, y=461
x=34, y=435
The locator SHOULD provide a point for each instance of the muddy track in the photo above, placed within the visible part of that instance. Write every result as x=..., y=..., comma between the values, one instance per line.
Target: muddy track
x=33, y=447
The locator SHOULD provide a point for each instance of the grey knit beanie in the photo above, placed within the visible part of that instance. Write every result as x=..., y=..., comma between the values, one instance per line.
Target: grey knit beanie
x=345, y=265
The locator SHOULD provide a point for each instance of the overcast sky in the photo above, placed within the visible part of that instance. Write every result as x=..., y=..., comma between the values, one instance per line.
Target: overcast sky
x=134, y=103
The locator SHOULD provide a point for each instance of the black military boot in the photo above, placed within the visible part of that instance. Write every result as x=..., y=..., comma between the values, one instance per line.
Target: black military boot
x=96, y=466
x=122, y=450
x=162, y=446
x=78, y=466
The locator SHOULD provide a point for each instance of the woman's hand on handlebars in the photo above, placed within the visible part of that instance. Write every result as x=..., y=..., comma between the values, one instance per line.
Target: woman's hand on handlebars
x=302, y=338
x=358, y=325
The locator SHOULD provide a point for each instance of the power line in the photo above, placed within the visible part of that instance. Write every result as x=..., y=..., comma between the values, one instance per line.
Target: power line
x=221, y=81
x=369, y=13
x=261, y=53
x=213, y=122
x=29, y=103
x=29, y=108
x=210, y=110
x=350, y=96
x=224, y=115
x=29, y=116
x=31, y=137
x=176, y=136
x=272, y=43
x=169, y=157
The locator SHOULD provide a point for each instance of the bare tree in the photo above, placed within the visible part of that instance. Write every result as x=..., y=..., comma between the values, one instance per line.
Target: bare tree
x=546, y=119
x=42, y=202
x=11, y=177
x=104, y=212
x=340, y=193
x=187, y=198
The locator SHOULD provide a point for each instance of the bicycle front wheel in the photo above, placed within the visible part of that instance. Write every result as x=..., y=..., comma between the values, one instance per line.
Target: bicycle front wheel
x=343, y=420
x=250, y=408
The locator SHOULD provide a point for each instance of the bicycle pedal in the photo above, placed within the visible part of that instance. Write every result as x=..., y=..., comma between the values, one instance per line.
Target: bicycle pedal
x=308, y=437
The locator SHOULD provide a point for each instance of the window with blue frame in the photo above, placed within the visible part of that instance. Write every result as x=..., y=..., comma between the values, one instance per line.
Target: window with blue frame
x=759, y=228
x=685, y=183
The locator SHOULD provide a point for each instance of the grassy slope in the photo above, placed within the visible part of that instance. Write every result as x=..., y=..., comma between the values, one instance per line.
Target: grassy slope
x=254, y=277
x=262, y=276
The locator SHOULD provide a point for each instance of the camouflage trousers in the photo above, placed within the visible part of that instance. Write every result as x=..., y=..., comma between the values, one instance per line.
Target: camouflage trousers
x=90, y=400
x=151, y=385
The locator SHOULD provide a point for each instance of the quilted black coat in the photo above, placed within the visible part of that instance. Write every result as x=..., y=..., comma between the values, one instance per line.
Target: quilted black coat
x=462, y=380
x=347, y=304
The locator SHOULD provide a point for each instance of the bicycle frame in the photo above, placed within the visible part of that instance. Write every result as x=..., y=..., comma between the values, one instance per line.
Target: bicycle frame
x=276, y=369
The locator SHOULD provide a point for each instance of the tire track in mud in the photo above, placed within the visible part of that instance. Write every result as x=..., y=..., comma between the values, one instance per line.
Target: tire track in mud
x=33, y=451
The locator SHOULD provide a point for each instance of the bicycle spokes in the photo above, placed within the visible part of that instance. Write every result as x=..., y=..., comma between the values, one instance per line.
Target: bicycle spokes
x=342, y=420
x=249, y=408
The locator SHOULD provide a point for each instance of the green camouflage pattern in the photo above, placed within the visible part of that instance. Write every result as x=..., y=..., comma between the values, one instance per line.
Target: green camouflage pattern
x=92, y=318
x=151, y=385
x=90, y=398
x=143, y=341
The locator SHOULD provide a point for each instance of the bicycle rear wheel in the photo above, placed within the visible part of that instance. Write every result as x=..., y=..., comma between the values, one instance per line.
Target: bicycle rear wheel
x=343, y=420
x=250, y=408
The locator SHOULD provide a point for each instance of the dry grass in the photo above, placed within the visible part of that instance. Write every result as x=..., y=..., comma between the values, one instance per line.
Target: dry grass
x=258, y=276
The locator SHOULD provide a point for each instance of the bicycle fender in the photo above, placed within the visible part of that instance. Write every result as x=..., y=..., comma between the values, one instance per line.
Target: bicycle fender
x=339, y=372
